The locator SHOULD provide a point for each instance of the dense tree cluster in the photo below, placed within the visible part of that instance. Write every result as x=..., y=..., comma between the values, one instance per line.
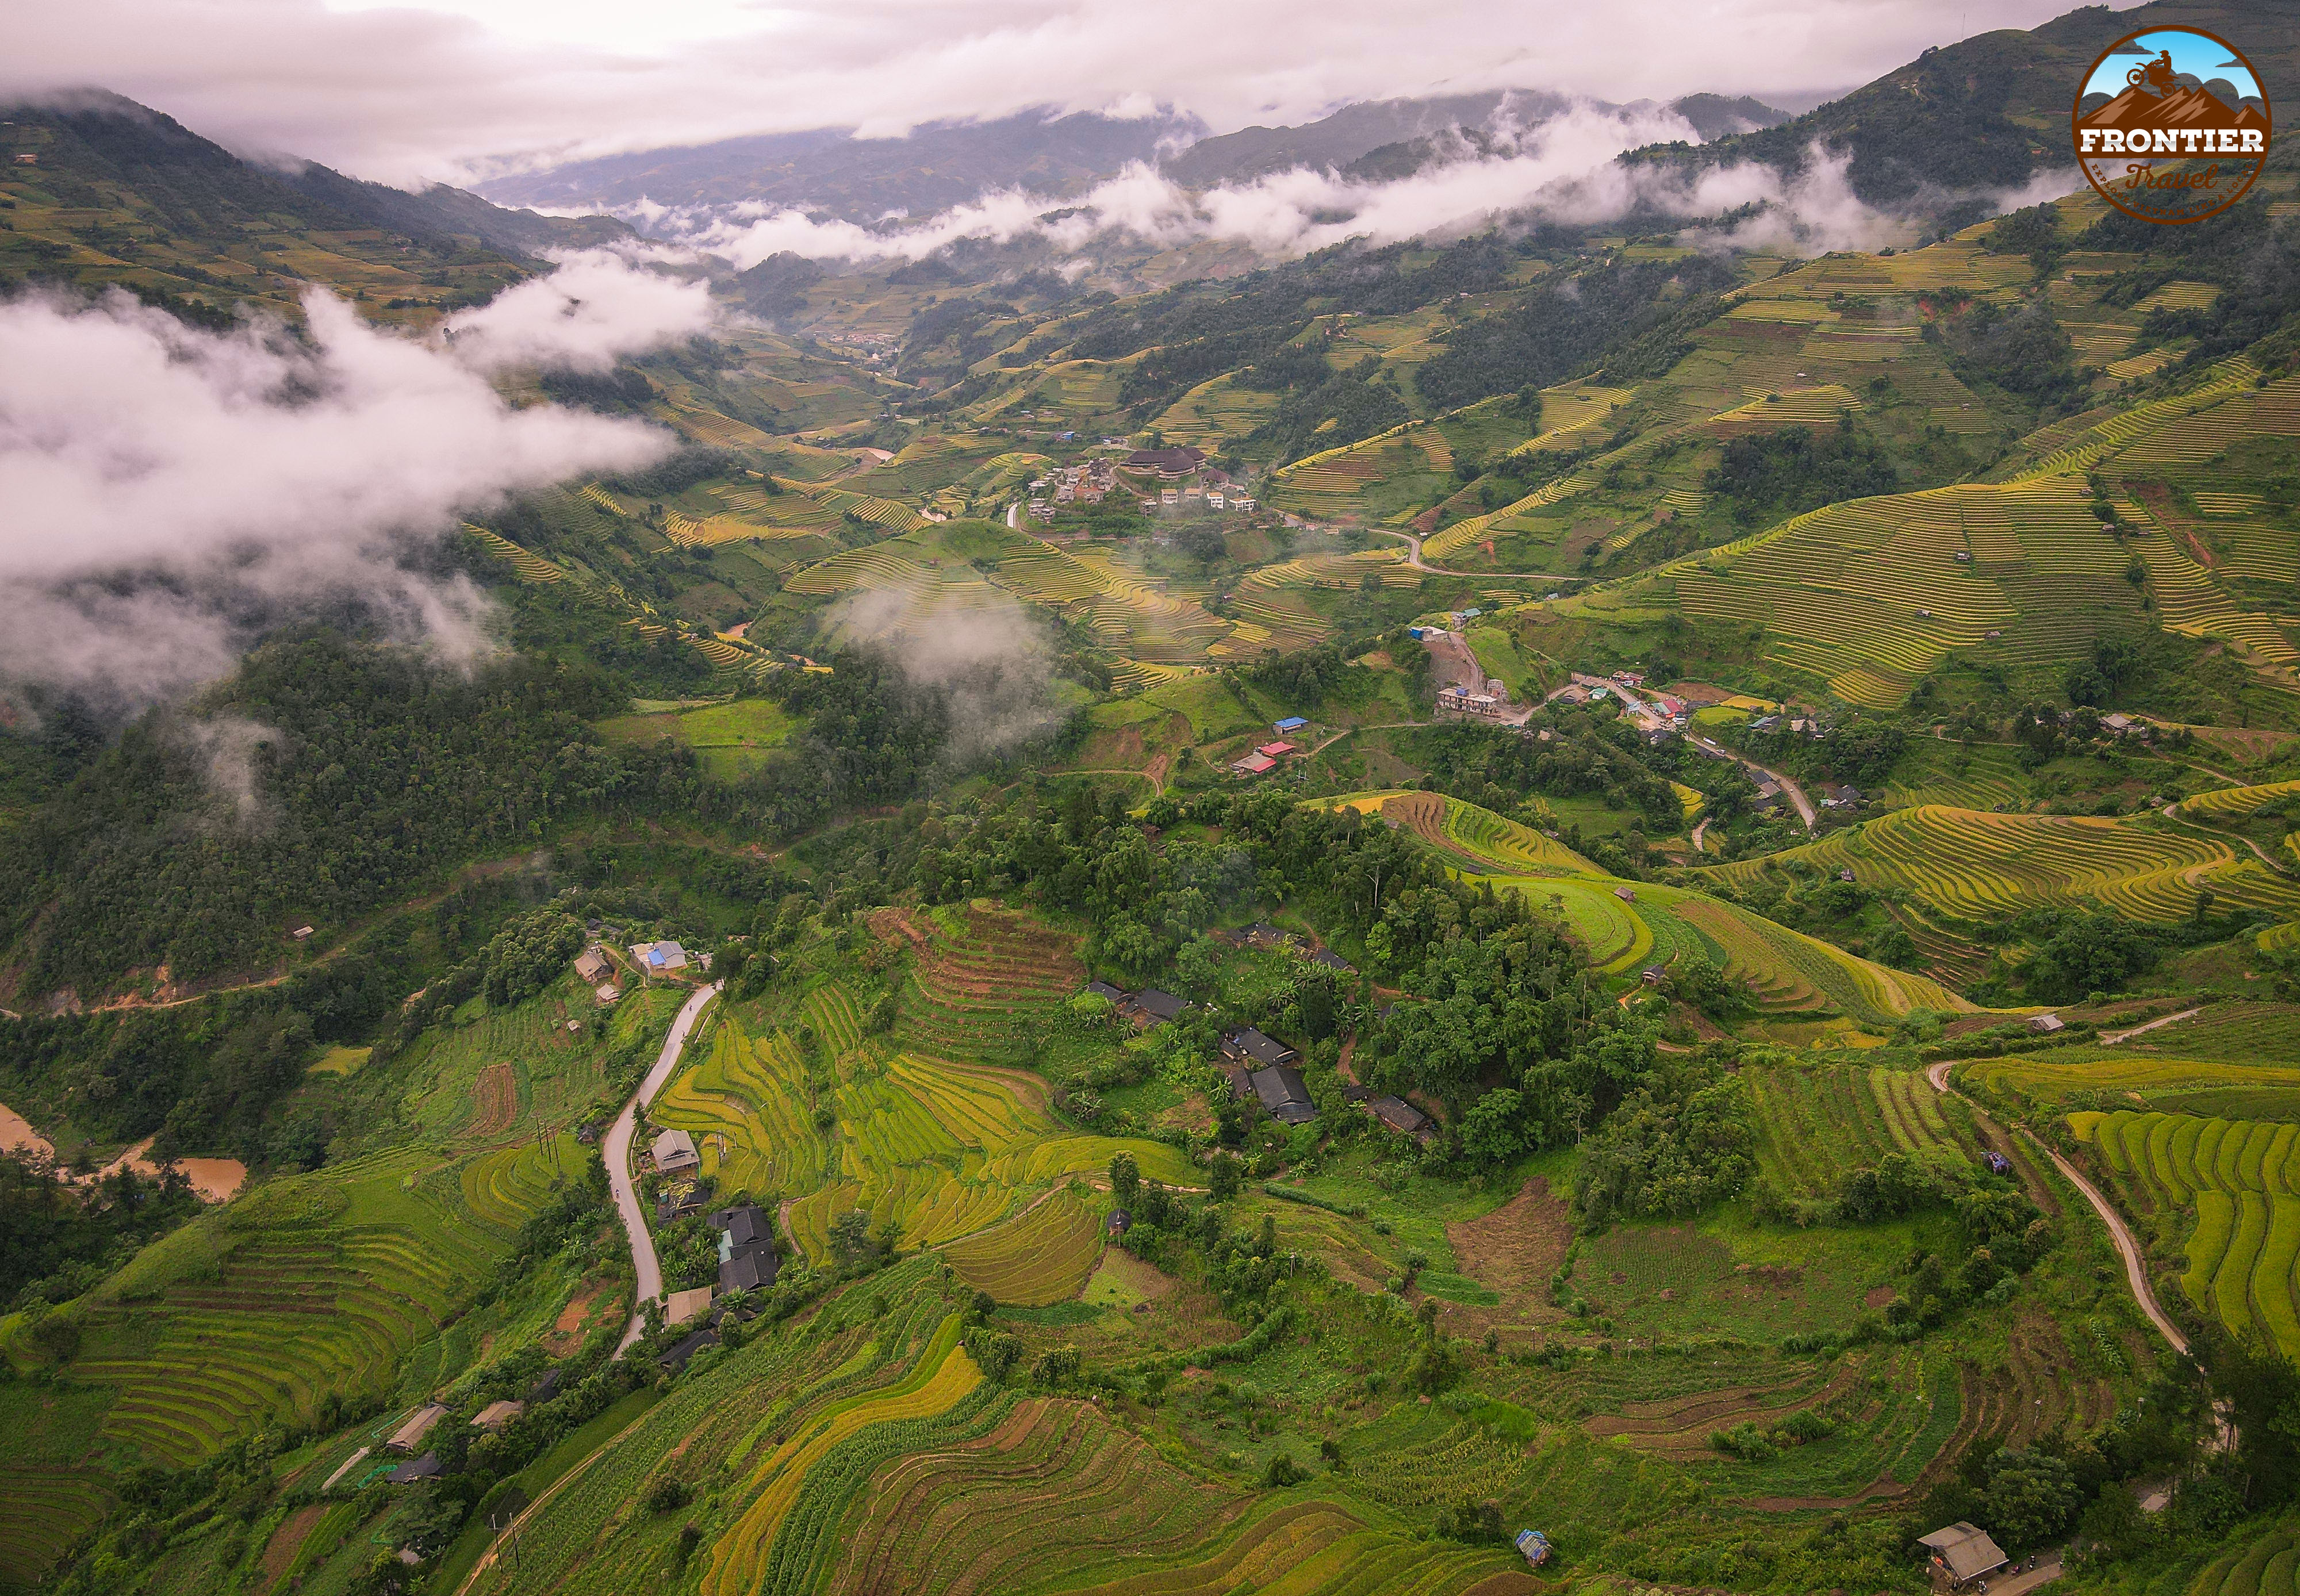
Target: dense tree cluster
x=1769, y=475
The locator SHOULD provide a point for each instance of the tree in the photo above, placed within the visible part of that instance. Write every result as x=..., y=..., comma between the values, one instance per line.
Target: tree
x=1222, y=1176
x=1125, y=1181
x=1492, y=1132
x=2030, y=1499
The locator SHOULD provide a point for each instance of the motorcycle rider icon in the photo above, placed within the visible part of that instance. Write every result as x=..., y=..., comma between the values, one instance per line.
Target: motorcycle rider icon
x=2157, y=74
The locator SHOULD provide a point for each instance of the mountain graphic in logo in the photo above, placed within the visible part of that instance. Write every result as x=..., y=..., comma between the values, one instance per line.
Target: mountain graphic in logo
x=2161, y=140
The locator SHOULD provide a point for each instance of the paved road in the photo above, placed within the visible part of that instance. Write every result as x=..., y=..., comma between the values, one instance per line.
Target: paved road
x=2135, y=1273
x=1804, y=808
x=617, y=1151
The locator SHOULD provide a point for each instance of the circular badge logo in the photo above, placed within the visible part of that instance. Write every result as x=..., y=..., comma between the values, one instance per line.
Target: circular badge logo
x=2171, y=125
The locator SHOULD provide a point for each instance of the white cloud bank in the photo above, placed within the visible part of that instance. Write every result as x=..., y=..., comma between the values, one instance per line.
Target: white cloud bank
x=453, y=88
x=168, y=489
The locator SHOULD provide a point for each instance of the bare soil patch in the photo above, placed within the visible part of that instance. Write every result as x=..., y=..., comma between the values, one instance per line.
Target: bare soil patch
x=497, y=1101
x=288, y=1540
x=565, y=1336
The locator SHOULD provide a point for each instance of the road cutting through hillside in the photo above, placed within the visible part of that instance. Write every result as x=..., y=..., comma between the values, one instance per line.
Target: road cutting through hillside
x=2135, y=1274
x=617, y=1152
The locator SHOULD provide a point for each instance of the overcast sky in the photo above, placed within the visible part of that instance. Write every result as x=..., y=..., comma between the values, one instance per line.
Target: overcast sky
x=459, y=87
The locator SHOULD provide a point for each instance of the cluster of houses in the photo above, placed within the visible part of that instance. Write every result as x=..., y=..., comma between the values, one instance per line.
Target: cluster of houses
x=747, y=1262
x=1492, y=704
x=596, y=966
x=418, y=1426
x=1192, y=483
x=1264, y=1069
x=1265, y=758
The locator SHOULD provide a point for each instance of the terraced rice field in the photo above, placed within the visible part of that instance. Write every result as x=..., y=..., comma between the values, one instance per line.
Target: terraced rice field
x=1871, y=590
x=982, y=978
x=1792, y=407
x=1477, y=838
x=748, y=1107
x=2197, y=1085
x=941, y=1147
x=944, y=1376
x=1820, y=1122
x=1972, y=865
x=2236, y=803
x=2269, y=1564
x=315, y=1286
x=942, y=1521
x=2239, y=1178
x=1042, y=1256
x=44, y=1509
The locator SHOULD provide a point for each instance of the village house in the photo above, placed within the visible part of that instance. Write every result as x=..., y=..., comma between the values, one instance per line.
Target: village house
x=1251, y=1048
x=593, y=965
x=674, y=1153
x=659, y=958
x=1157, y=1008
x=747, y=1260
x=1962, y=1553
x=1396, y=1114
x=494, y=1416
x=1284, y=1092
x=1169, y=465
x=1253, y=764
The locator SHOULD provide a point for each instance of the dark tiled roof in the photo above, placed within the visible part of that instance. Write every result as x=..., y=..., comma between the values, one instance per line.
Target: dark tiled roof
x=750, y=1270
x=425, y=1467
x=1262, y=1049
x=676, y=1358
x=1104, y=989
x=1332, y=960
x=1398, y=1114
x=745, y=1227
x=545, y=1388
x=1241, y=1081
x=1284, y=1093
x=1160, y=1005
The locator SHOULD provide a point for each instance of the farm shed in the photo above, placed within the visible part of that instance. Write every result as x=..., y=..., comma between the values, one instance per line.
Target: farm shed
x=1240, y=1078
x=674, y=1152
x=1253, y=764
x=1962, y=1552
x=2046, y=1023
x=1284, y=1093
x=494, y=1416
x=410, y=1434
x=1292, y=723
x=1398, y=1114
x=693, y=1304
x=1332, y=960
x=1627, y=894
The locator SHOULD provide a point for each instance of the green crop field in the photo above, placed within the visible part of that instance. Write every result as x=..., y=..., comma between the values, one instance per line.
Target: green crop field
x=1039, y=1256
x=2263, y=1565
x=2240, y=1181
x=1971, y=865
x=1820, y=1122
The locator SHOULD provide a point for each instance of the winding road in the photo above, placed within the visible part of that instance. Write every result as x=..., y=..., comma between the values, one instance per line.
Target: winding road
x=1794, y=793
x=2135, y=1274
x=617, y=1152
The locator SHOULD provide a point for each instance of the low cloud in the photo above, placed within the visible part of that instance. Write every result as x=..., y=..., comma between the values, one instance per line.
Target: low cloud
x=990, y=661
x=1284, y=213
x=173, y=491
x=596, y=308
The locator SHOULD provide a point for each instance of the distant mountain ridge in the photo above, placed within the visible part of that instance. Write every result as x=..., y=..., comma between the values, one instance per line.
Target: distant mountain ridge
x=864, y=180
